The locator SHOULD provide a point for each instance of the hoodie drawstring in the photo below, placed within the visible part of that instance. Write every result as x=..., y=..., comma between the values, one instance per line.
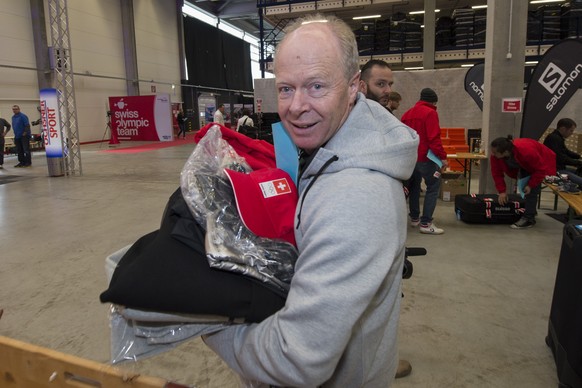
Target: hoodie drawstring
x=321, y=170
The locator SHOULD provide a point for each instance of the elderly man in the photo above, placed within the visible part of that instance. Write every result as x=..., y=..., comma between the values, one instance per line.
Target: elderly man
x=339, y=325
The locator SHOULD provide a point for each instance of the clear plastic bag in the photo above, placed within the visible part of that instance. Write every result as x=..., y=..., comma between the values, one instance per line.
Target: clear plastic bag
x=230, y=245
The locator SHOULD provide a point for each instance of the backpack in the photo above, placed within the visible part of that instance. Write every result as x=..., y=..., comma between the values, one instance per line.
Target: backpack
x=248, y=130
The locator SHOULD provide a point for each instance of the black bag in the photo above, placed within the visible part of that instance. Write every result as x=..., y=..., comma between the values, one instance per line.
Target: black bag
x=565, y=325
x=485, y=208
x=248, y=130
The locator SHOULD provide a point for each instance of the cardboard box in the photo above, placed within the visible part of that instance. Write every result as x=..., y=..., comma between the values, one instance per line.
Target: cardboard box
x=452, y=183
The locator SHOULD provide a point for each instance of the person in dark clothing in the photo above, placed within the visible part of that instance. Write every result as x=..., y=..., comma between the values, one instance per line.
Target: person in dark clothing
x=21, y=129
x=4, y=128
x=181, y=124
x=556, y=141
x=525, y=159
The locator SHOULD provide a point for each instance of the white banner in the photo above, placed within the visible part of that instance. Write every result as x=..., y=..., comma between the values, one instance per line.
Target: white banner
x=51, y=123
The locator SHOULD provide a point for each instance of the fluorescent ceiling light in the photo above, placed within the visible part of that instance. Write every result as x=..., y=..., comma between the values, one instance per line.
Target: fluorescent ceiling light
x=531, y=62
x=208, y=18
x=421, y=12
x=414, y=68
x=199, y=14
x=545, y=1
x=479, y=6
x=366, y=17
x=315, y=21
x=467, y=65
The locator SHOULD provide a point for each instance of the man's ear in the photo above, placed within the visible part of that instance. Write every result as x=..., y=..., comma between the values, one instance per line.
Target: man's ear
x=362, y=86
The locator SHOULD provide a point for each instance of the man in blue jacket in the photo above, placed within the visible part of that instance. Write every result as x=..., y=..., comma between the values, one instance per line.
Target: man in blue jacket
x=21, y=129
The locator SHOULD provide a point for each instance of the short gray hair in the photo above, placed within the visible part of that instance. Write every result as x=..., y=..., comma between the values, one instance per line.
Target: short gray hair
x=343, y=33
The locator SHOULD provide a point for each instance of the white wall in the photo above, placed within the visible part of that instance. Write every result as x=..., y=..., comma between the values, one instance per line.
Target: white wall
x=97, y=57
x=17, y=86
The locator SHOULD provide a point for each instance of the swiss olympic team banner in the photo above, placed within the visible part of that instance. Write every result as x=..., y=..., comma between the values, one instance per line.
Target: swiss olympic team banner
x=474, y=80
x=142, y=117
x=554, y=81
x=51, y=123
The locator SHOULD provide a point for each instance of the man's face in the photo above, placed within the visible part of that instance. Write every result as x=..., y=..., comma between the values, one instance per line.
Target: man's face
x=379, y=84
x=567, y=132
x=221, y=109
x=393, y=105
x=314, y=96
x=15, y=110
x=500, y=155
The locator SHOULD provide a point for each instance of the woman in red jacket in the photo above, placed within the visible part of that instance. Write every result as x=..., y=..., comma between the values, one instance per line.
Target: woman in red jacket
x=525, y=159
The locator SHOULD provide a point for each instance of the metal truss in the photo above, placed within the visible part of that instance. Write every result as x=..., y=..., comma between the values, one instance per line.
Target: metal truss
x=63, y=68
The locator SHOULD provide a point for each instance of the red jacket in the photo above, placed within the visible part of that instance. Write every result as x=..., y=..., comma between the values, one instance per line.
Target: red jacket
x=424, y=119
x=532, y=156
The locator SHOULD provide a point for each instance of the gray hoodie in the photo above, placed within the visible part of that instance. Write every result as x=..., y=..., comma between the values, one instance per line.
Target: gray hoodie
x=340, y=321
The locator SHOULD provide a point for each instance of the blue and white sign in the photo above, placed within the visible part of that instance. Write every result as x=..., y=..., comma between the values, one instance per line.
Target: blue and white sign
x=51, y=123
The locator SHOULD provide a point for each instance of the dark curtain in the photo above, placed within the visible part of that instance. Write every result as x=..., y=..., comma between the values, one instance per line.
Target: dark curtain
x=215, y=58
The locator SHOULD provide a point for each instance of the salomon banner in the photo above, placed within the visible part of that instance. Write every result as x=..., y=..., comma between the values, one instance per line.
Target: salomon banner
x=474, y=80
x=142, y=117
x=554, y=81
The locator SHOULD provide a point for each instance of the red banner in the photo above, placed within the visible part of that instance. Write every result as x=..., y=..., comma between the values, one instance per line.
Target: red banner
x=141, y=117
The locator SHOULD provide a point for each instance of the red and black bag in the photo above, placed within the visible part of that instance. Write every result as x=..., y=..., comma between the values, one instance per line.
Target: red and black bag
x=485, y=208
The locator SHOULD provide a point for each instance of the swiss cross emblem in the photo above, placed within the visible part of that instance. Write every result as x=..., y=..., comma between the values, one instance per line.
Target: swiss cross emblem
x=281, y=186
x=275, y=187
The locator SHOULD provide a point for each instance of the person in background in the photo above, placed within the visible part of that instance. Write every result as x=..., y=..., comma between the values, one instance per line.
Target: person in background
x=4, y=128
x=556, y=141
x=339, y=325
x=376, y=80
x=219, y=115
x=424, y=119
x=181, y=124
x=21, y=129
x=245, y=119
x=526, y=159
x=394, y=99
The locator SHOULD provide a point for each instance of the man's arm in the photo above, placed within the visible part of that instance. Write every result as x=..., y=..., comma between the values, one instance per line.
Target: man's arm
x=7, y=127
x=336, y=281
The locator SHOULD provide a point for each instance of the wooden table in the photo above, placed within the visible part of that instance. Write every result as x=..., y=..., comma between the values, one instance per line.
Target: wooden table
x=574, y=201
x=466, y=159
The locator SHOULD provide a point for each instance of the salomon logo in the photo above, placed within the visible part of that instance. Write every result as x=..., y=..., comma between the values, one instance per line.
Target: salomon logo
x=552, y=77
x=559, y=81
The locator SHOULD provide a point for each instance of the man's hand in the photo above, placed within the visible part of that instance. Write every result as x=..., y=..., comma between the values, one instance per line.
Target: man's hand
x=526, y=190
x=502, y=199
x=445, y=165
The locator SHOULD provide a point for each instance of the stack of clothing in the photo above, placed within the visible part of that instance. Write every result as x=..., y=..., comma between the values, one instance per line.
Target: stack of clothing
x=204, y=269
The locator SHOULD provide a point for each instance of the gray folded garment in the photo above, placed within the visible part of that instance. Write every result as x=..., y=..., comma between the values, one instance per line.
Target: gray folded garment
x=132, y=340
x=177, y=318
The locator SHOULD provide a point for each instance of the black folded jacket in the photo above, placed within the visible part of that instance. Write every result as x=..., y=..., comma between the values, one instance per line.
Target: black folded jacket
x=166, y=270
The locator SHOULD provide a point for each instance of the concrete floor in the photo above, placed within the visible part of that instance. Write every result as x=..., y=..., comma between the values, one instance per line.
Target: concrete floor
x=475, y=312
